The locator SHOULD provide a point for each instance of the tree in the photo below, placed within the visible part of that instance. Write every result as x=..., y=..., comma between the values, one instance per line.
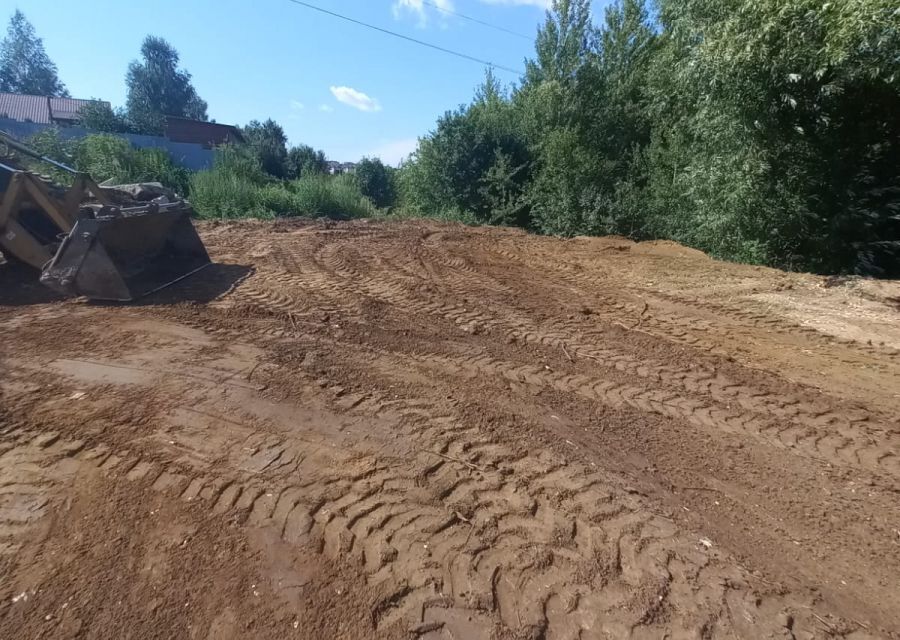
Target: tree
x=100, y=116
x=620, y=118
x=158, y=88
x=24, y=65
x=564, y=42
x=778, y=128
x=764, y=131
x=604, y=123
x=269, y=143
x=564, y=170
x=375, y=181
x=303, y=160
x=475, y=162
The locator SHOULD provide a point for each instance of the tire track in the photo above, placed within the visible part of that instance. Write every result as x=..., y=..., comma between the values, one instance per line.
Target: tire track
x=468, y=535
x=679, y=328
x=842, y=444
x=858, y=439
x=26, y=480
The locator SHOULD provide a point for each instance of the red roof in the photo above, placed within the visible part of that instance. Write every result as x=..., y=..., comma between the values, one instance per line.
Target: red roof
x=40, y=109
x=67, y=108
x=45, y=110
x=208, y=134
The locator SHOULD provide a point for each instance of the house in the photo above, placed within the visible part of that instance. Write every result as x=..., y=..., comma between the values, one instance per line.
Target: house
x=65, y=112
x=208, y=134
x=189, y=142
x=42, y=109
x=335, y=168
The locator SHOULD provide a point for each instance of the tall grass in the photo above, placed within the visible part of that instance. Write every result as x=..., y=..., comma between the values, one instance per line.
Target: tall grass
x=330, y=196
x=236, y=187
x=219, y=194
x=155, y=165
x=108, y=158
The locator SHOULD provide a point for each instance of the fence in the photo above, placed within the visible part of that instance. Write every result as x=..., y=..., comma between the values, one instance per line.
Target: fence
x=186, y=154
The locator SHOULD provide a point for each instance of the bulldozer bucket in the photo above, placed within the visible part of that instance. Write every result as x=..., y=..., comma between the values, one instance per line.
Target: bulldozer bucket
x=125, y=256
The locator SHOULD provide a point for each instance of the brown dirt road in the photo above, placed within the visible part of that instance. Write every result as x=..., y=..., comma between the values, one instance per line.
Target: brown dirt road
x=411, y=430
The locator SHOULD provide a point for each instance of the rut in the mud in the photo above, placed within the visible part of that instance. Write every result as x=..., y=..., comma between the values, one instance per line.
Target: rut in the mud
x=498, y=435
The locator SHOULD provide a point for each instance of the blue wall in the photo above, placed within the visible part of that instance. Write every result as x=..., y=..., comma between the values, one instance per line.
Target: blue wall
x=186, y=154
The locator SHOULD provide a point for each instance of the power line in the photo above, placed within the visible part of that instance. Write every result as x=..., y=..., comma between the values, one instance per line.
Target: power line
x=451, y=12
x=407, y=38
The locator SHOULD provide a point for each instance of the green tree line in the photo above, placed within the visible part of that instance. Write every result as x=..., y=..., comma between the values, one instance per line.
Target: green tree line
x=259, y=176
x=238, y=185
x=765, y=131
x=156, y=86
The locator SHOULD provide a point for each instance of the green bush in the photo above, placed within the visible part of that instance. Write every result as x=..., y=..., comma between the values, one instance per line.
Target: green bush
x=303, y=160
x=763, y=131
x=221, y=194
x=376, y=182
x=232, y=188
x=50, y=144
x=476, y=161
x=236, y=187
x=108, y=157
x=332, y=196
x=105, y=157
x=155, y=165
x=240, y=160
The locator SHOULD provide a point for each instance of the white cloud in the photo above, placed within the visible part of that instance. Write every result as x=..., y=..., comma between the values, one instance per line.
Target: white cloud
x=296, y=105
x=423, y=10
x=356, y=99
x=418, y=9
x=543, y=4
x=392, y=152
x=326, y=108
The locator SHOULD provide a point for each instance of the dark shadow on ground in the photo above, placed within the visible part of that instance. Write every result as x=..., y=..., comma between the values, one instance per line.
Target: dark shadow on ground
x=204, y=286
x=20, y=286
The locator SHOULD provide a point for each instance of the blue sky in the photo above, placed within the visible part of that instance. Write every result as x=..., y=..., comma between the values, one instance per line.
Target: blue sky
x=336, y=86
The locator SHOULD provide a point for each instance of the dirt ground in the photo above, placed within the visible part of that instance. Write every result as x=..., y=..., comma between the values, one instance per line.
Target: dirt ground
x=411, y=430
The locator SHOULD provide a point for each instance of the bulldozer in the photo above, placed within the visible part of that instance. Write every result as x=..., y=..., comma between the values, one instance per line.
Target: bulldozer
x=90, y=240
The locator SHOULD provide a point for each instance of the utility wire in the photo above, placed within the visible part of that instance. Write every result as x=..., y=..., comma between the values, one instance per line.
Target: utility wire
x=451, y=12
x=407, y=38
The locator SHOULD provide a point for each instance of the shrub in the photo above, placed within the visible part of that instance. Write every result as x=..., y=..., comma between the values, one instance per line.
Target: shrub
x=332, y=196
x=240, y=160
x=108, y=157
x=105, y=157
x=375, y=182
x=232, y=188
x=762, y=131
x=267, y=141
x=155, y=165
x=51, y=144
x=222, y=194
x=475, y=161
x=101, y=117
x=236, y=187
x=303, y=160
